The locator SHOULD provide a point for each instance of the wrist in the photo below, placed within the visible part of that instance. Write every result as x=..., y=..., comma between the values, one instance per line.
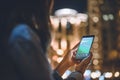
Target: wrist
x=61, y=68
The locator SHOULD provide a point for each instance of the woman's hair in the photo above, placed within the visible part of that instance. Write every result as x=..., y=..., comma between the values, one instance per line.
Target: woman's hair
x=34, y=13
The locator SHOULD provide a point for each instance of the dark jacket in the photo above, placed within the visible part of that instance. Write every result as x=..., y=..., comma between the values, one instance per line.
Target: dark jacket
x=29, y=60
x=25, y=59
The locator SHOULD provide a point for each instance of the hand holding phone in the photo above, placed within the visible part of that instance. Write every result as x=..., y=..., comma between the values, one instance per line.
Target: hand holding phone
x=84, y=47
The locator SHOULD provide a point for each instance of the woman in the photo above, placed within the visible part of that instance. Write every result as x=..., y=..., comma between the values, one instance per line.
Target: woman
x=24, y=39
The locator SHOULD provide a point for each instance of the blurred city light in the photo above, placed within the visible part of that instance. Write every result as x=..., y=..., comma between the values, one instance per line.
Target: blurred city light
x=93, y=75
x=111, y=17
x=105, y=17
x=65, y=12
x=102, y=78
x=95, y=19
x=87, y=73
x=96, y=74
x=60, y=52
x=82, y=16
x=95, y=62
x=54, y=22
x=117, y=74
x=63, y=22
x=108, y=74
x=63, y=44
x=66, y=74
x=54, y=44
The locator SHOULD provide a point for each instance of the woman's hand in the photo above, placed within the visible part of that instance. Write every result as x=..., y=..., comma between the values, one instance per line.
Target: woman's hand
x=81, y=67
x=68, y=60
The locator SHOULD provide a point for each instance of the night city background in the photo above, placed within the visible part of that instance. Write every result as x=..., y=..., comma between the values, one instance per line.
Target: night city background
x=97, y=17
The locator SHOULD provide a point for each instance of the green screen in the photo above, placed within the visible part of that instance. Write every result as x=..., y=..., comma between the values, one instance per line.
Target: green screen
x=84, y=47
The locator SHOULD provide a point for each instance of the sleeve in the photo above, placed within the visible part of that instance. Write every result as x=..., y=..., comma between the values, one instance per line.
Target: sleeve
x=56, y=75
x=30, y=63
x=75, y=76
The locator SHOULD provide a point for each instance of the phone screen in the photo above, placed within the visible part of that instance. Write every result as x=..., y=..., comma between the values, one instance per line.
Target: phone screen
x=84, y=47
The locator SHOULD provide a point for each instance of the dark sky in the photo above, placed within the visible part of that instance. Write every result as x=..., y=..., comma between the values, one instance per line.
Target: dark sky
x=79, y=5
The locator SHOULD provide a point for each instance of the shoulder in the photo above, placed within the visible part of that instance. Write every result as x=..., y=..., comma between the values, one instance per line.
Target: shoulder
x=24, y=32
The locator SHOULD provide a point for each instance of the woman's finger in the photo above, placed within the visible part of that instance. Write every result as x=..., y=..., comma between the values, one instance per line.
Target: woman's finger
x=84, y=64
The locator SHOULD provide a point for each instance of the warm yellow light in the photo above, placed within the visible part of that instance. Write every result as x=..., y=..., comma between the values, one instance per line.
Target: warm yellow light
x=72, y=20
x=95, y=19
x=63, y=22
x=54, y=44
x=117, y=74
x=95, y=62
x=63, y=44
x=78, y=21
x=55, y=22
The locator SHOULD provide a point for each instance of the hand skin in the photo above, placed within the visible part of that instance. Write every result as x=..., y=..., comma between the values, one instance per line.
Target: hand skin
x=68, y=61
x=83, y=64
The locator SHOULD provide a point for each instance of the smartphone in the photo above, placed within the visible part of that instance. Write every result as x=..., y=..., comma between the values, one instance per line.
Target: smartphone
x=84, y=47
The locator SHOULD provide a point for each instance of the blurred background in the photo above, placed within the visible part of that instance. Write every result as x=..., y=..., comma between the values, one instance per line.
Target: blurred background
x=71, y=19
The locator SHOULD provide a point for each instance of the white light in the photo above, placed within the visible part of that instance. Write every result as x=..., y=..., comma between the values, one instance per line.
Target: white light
x=60, y=52
x=108, y=74
x=93, y=75
x=101, y=78
x=82, y=17
x=65, y=12
x=63, y=22
x=72, y=20
x=111, y=17
x=66, y=74
x=87, y=73
x=105, y=17
x=117, y=74
x=98, y=73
